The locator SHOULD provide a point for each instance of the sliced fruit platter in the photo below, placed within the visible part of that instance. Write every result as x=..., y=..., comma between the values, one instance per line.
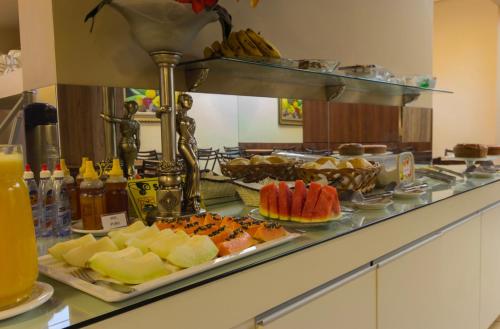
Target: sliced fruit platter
x=316, y=204
x=142, y=258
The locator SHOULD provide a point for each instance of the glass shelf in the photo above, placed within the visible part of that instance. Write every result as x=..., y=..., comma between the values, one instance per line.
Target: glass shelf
x=257, y=78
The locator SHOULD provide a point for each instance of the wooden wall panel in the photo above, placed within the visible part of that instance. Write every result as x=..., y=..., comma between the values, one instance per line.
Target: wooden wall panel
x=81, y=127
x=315, y=128
x=417, y=124
x=361, y=123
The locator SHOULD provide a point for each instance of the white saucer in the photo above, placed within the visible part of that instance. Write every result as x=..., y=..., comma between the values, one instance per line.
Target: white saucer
x=481, y=174
x=382, y=204
x=78, y=228
x=409, y=195
x=41, y=293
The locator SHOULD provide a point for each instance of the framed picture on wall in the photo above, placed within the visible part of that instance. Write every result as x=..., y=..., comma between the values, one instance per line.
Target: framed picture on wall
x=148, y=101
x=290, y=112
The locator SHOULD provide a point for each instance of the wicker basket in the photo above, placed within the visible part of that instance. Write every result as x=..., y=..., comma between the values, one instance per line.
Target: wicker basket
x=250, y=197
x=258, y=172
x=214, y=187
x=355, y=179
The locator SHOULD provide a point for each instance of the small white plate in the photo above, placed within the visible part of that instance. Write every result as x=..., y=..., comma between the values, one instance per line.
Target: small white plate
x=382, y=204
x=409, y=195
x=481, y=174
x=41, y=293
x=78, y=228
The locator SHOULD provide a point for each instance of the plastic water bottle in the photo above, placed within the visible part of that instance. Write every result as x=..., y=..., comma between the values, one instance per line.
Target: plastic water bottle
x=35, y=198
x=62, y=225
x=48, y=202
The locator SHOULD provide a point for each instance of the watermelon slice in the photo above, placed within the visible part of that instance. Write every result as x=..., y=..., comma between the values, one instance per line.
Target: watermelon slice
x=311, y=200
x=336, y=202
x=323, y=209
x=284, y=201
x=264, y=199
x=298, y=198
x=273, y=202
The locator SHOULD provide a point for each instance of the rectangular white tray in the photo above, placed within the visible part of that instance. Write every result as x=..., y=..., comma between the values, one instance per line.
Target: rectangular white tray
x=59, y=270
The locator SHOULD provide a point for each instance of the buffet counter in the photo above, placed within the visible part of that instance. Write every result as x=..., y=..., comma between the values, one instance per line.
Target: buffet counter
x=371, y=269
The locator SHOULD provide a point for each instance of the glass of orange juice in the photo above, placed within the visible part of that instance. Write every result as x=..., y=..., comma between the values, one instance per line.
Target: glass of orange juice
x=18, y=256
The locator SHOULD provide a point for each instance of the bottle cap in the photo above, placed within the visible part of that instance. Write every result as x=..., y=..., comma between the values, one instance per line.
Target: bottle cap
x=45, y=173
x=28, y=174
x=116, y=171
x=83, y=166
x=90, y=173
x=64, y=168
x=58, y=173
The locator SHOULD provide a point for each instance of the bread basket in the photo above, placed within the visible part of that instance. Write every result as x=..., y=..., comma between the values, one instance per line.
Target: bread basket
x=355, y=179
x=257, y=172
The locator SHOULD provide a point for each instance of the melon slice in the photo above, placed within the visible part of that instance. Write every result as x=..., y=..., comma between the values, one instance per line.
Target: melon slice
x=130, y=270
x=336, y=202
x=80, y=255
x=284, y=201
x=61, y=248
x=121, y=238
x=273, y=202
x=99, y=260
x=197, y=250
x=165, y=244
x=311, y=199
x=264, y=199
x=323, y=209
x=136, y=226
x=298, y=199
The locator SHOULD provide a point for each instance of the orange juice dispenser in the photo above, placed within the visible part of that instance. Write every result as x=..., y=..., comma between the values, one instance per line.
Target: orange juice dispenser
x=18, y=259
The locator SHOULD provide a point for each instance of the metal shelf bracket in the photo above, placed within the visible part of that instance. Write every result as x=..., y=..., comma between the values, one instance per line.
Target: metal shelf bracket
x=334, y=92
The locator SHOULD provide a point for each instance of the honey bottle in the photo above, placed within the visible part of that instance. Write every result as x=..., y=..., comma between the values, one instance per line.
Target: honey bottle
x=116, y=190
x=92, y=202
x=79, y=180
x=74, y=198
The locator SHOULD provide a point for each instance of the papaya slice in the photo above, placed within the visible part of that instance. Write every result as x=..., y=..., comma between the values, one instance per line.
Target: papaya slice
x=210, y=219
x=298, y=199
x=230, y=223
x=166, y=224
x=273, y=202
x=221, y=234
x=238, y=241
x=284, y=201
x=269, y=231
x=311, y=199
x=190, y=227
x=206, y=229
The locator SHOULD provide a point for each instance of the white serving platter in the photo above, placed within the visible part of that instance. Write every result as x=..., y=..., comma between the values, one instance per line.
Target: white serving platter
x=60, y=271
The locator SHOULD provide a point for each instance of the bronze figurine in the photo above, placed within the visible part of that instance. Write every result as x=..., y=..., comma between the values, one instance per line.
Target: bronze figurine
x=188, y=150
x=130, y=142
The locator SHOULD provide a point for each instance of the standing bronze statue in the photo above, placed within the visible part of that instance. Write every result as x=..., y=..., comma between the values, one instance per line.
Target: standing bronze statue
x=188, y=150
x=130, y=142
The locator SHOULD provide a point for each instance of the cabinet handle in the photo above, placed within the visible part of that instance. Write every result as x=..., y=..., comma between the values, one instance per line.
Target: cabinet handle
x=417, y=245
x=299, y=301
x=460, y=222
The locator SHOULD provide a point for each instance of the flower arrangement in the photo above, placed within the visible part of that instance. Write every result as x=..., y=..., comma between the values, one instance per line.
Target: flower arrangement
x=200, y=5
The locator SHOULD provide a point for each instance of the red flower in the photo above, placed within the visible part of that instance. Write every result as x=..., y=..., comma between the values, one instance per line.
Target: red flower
x=199, y=5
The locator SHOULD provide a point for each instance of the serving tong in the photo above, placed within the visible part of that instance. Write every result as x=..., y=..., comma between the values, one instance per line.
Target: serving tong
x=85, y=275
x=358, y=197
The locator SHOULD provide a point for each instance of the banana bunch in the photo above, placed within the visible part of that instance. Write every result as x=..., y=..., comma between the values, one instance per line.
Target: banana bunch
x=244, y=43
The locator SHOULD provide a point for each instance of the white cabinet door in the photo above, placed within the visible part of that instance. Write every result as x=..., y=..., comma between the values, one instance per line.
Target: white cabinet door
x=410, y=290
x=349, y=306
x=490, y=266
x=461, y=260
